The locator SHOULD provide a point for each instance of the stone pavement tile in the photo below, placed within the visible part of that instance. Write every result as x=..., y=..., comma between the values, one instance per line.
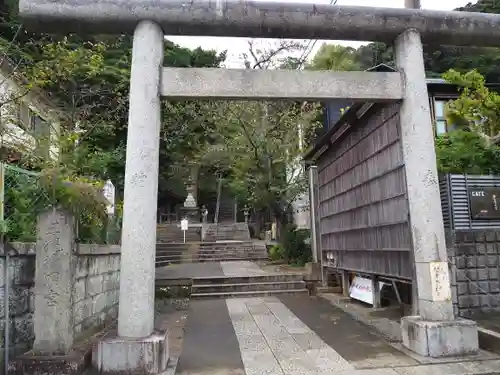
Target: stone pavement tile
x=383, y=360
x=297, y=364
x=252, y=343
x=246, y=328
x=309, y=340
x=326, y=359
x=236, y=306
x=287, y=318
x=482, y=367
x=350, y=339
x=257, y=308
x=283, y=349
x=438, y=369
x=241, y=268
x=382, y=371
x=260, y=363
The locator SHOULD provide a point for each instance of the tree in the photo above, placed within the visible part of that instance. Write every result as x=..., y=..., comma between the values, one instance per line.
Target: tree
x=334, y=57
x=477, y=109
x=257, y=143
x=464, y=151
x=440, y=59
x=472, y=146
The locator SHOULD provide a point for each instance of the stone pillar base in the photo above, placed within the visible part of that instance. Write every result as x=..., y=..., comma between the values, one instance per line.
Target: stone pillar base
x=313, y=271
x=119, y=355
x=439, y=339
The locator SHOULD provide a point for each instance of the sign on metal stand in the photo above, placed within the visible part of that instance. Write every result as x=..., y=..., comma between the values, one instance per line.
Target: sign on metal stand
x=184, y=227
x=361, y=289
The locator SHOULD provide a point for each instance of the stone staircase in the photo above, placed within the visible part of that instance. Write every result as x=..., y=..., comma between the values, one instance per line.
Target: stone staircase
x=226, y=232
x=176, y=253
x=247, y=286
x=231, y=250
x=226, y=211
x=172, y=233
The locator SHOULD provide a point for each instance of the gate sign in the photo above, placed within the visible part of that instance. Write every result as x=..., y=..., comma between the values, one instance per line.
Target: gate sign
x=109, y=194
x=361, y=289
x=484, y=203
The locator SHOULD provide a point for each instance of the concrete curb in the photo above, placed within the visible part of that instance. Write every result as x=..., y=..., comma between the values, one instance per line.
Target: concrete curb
x=391, y=329
x=388, y=329
x=489, y=340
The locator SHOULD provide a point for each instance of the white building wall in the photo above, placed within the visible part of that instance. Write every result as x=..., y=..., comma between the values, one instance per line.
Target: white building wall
x=12, y=134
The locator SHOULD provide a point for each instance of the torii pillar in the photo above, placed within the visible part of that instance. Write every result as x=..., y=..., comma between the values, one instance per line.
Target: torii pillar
x=138, y=348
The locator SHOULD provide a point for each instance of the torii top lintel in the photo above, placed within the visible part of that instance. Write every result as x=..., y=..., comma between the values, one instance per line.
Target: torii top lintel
x=261, y=20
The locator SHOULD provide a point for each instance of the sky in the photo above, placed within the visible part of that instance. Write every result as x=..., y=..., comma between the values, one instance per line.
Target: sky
x=237, y=46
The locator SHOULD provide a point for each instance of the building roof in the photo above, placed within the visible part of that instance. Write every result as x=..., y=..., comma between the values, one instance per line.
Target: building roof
x=434, y=85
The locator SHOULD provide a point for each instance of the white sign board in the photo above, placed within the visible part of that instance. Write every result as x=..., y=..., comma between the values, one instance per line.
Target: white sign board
x=184, y=224
x=109, y=194
x=361, y=289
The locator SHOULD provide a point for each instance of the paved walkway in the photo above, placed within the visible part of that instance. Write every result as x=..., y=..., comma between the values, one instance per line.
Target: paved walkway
x=296, y=335
x=289, y=335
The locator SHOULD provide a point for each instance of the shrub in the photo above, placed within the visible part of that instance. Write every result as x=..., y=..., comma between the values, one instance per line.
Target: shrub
x=297, y=245
x=29, y=193
x=277, y=252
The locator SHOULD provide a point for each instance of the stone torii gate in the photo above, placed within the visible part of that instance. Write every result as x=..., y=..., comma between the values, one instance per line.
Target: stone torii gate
x=140, y=349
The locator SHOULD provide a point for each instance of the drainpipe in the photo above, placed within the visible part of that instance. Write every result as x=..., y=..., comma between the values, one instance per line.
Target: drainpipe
x=6, y=308
x=6, y=279
x=312, y=214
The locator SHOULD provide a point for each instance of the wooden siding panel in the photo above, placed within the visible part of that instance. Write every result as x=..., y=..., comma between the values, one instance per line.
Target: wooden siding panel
x=363, y=207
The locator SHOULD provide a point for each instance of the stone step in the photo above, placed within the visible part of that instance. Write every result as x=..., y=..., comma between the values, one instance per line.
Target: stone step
x=194, y=258
x=247, y=279
x=179, y=260
x=213, y=255
x=247, y=287
x=260, y=293
x=230, y=253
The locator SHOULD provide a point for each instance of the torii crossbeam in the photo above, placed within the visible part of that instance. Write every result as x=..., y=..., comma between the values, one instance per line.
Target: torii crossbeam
x=264, y=19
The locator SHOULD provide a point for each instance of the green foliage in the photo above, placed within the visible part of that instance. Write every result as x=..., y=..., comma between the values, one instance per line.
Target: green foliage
x=463, y=151
x=475, y=114
x=438, y=59
x=257, y=143
x=334, y=57
x=27, y=194
x=295, y=243
x=277, y=252
x=88, y=78
x=478, y=108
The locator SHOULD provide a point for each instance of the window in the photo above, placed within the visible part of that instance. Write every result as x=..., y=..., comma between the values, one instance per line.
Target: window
x=24, y=116
x=30, y=121
x=440, y=118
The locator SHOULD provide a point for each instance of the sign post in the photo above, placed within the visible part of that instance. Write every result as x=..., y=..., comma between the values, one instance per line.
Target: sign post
x=184, y=227
x=109, y=194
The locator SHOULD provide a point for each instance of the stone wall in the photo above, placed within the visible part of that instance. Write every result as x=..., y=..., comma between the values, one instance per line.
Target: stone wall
x=474, y=258
x=21, y=277
x=94, y=296
x=96, y=288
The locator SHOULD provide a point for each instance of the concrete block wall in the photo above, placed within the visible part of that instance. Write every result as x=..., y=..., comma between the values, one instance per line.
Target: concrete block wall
x=474, y=258
x=94, y=296
x=21, y=277
x=96, y=287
